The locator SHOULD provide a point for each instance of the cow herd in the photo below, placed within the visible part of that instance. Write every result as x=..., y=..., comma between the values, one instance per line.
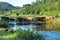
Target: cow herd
x=50, y=17
x=22, y=20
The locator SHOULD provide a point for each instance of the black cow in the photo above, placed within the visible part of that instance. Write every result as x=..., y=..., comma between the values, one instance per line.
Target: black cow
x=4, y=18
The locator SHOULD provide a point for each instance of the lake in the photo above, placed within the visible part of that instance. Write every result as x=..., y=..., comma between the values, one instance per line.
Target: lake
x=48, y=35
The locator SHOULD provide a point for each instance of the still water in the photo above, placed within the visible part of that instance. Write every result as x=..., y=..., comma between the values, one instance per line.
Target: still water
x=48, y=35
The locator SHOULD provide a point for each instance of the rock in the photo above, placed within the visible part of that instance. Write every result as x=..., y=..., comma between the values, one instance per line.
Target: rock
x=9, y=30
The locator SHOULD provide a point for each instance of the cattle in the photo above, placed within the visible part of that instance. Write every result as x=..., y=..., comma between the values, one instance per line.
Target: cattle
x=31, y=20
x=23, y=21
x=50, y=17
x=4, y=18
x=39, y=19
x=11, y=19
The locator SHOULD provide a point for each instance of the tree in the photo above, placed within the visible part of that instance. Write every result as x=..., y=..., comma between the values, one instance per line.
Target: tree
x=26, y=5
x=17, y=14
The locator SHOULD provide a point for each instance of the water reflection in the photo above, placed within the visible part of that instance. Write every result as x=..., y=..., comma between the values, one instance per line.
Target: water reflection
x=48, y=35
x=49, y=26
x=39, y=27
x=26, y=27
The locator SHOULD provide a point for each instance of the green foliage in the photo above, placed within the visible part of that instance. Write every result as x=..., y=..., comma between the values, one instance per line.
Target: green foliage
x=4, y=24
x=45, y=6
x=26, y=5
x=40, y=7
x=20, y=35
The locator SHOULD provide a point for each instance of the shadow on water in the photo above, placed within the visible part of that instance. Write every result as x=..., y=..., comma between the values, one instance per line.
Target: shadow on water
x=37, y=27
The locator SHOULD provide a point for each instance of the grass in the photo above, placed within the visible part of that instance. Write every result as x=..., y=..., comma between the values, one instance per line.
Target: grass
x=22, y=15
x=20, y=35
x=51, y=13
x=54, y=24
x=54, y=21
x=43, y=13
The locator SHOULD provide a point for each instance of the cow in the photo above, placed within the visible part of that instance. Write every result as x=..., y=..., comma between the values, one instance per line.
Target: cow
x=50, y=17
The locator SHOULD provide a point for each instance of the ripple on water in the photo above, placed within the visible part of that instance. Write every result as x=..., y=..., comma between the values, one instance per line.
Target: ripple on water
x=50, y=35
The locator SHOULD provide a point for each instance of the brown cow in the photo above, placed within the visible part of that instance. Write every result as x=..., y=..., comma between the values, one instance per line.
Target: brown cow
x=50, y=17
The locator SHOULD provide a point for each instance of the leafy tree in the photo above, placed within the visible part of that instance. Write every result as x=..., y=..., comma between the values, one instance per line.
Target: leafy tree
x=26, y=5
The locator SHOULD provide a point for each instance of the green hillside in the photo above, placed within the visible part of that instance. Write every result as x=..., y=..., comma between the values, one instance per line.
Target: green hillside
x=38, y=8
x=5, y=6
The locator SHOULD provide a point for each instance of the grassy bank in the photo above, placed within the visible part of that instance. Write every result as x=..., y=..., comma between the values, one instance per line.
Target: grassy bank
x=20, y=35
x=54, y=24
x=54, y=21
